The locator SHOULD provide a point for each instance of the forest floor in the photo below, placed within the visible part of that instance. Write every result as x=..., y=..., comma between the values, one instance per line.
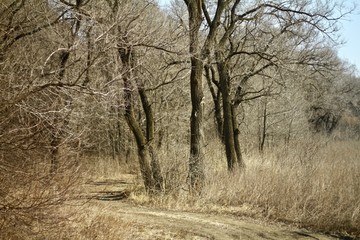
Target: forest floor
x=111, y=212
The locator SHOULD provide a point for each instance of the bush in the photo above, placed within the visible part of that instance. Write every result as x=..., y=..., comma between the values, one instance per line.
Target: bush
x=30, y=198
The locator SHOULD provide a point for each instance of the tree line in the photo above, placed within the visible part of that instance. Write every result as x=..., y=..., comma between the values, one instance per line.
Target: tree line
x=105, y=77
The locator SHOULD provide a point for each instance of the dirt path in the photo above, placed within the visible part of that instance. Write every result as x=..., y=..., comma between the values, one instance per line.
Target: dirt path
x=164, y=224
x=186, y=225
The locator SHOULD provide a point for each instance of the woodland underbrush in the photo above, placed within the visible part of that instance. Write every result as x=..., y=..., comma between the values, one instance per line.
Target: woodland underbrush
x=31, y=197
x=310, y=184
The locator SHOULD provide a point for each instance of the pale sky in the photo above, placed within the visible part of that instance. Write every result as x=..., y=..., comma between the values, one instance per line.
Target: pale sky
x=350, y=33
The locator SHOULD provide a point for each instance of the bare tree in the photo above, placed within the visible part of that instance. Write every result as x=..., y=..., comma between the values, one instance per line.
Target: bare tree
x=29, y=109
x=126, y=19
x=262, y=37
x=196, y=168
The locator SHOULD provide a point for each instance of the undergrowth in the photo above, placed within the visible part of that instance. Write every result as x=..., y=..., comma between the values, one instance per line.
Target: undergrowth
x=313, y=185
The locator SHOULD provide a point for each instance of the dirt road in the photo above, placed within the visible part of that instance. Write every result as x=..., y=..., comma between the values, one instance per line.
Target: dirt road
x=166, y=224
x=162, y=224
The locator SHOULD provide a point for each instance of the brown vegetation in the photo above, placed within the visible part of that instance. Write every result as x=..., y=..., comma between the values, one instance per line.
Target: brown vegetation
x=106, y=100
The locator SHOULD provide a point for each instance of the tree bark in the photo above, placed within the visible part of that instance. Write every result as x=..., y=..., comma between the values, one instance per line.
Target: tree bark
x=60, y=123
x=228, y=128
x=196, y=162
x=216, y=96
x=150, y=133
x=149, y=165
x=240, y=160
x=230, y=125
x=263, y=129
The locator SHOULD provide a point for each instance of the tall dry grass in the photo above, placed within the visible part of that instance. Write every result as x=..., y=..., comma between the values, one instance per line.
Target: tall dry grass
x=313, y=184
x=102, y=167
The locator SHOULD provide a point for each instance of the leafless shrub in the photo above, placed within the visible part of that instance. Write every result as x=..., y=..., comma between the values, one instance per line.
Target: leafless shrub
x=30, y=197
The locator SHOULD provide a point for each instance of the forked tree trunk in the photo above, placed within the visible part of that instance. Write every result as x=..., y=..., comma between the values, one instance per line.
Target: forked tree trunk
x=216, y=96
x=230, y=129
x=150, y=142
x=149, y=165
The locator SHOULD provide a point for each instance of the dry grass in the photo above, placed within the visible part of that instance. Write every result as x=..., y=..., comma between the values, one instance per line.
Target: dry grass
x=316, y=187
x=104, y=167
x=313, y=184
x=96, y=220
x=95, y=224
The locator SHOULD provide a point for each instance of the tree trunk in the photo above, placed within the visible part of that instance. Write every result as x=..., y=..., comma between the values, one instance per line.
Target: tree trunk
x=57, y=136
x=228, y=128
x=149, y=165
x=196, y=162
x=59, y=123
x=230, y=125
x=263, y=129
x=216, y=96
x=240, y=161
x=150, y=133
